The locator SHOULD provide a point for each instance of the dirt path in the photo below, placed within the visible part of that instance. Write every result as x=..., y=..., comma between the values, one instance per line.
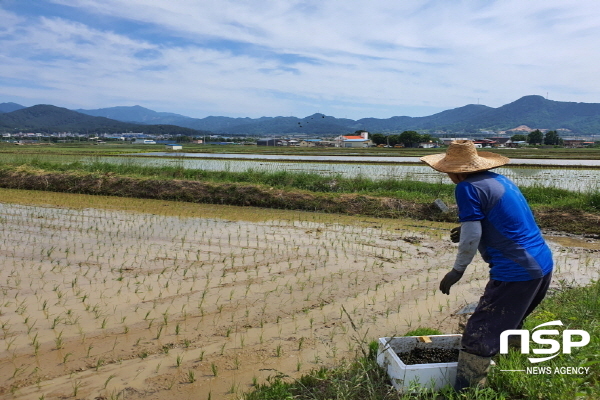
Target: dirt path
x=104, y=304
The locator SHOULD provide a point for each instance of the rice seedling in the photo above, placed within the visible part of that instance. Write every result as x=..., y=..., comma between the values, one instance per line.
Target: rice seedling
x=191, y=376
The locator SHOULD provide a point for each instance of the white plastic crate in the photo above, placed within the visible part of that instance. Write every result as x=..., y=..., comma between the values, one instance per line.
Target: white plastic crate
x=431, y=376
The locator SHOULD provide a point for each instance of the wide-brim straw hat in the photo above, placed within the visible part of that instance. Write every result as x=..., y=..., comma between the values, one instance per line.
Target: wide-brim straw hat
x=462, y=157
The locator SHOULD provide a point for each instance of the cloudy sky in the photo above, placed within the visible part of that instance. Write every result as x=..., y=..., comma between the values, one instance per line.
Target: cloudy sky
x=345, y=58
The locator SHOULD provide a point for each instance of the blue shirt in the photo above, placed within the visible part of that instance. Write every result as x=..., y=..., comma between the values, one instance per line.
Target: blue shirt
x=511, y=241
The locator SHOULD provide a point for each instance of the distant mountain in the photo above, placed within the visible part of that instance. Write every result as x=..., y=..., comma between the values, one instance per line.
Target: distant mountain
x=538, y=112
x=533, y=111
x=135, y=114
x=455, y=119
x=10, y=107
x=314, y=124
x=48, y=118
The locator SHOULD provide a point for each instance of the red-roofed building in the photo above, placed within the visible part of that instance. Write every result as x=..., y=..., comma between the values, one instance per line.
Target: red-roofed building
x=354, y=141
x=352, y=137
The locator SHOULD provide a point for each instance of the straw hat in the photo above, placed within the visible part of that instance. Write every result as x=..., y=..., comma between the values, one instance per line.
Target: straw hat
x=462, y=158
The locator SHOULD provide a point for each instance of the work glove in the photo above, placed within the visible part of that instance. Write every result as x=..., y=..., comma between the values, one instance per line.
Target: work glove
x=455, y=234
x=450, y=279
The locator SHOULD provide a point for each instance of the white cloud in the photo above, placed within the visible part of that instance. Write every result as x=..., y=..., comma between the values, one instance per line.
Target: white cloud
x=279, y=57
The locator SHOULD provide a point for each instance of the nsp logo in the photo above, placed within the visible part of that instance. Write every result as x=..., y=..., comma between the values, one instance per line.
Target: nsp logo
x=538, y=337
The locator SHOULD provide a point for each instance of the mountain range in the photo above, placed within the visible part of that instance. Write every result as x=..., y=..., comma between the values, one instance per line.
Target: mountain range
x=533, y=111
x=48, y=118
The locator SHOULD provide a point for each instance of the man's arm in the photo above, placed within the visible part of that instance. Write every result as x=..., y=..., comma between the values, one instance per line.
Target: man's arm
x=470, y=235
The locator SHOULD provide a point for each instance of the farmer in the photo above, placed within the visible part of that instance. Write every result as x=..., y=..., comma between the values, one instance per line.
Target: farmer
x=495, y=219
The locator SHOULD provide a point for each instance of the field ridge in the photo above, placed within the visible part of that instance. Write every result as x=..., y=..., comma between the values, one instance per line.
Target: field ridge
x=572, y=221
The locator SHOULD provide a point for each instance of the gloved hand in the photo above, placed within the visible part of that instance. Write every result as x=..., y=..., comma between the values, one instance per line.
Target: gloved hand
x=450, y=279
x=455, y=234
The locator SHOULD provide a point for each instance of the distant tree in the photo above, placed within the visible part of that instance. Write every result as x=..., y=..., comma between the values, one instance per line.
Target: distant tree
x=535, y=137
x=410, y=138
x=183, y=139
x=379, y=138
x=393, y=140
x=552, y=138
x=518, y=138
x=427, y=138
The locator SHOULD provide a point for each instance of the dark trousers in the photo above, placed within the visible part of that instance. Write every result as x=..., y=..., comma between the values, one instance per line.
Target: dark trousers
x=504, y=305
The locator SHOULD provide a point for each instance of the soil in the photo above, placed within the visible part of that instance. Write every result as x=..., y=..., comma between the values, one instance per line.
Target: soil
x=429, y=356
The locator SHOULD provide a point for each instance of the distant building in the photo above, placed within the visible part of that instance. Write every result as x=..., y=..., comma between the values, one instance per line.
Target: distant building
x=309, y=142
x=173, y=147
x=484, y=143
x=361, y=140
x=448, y=140
x=356, y=143
x=501, y=141
x=576, y=143
x=144, y=141
x=267, y=142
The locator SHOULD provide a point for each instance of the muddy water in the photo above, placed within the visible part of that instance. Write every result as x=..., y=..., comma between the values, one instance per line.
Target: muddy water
x=159, y=304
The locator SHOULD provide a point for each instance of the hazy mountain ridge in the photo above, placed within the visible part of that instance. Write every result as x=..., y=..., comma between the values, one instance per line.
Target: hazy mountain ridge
x=10, y=107
x=533, y=111
x=134, y=114
x=50, y=118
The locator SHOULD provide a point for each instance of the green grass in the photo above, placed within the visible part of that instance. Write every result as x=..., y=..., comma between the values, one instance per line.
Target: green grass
x=405, y=189
x=422, y=331
x=577, y=308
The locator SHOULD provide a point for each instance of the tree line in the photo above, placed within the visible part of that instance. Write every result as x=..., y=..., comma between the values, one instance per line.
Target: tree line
x=537, y=137
x=406, y=138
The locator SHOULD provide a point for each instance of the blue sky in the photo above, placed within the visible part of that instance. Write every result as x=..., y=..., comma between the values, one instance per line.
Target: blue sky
x=348, y=59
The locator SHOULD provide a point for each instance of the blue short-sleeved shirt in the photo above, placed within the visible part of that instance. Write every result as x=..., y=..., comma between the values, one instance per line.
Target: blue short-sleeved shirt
x=511, y=241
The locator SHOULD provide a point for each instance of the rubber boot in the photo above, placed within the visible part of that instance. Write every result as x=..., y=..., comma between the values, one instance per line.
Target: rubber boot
x=472, y=371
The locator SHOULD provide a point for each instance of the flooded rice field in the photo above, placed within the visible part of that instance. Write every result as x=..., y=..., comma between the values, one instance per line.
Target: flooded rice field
x=566, y=177
x=190, y=301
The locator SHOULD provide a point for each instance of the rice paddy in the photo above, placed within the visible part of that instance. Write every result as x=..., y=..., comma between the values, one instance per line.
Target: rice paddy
x=124, y=298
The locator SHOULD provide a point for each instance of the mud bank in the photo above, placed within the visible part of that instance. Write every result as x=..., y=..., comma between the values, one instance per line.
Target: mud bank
x=238, y=194
x=242, y=194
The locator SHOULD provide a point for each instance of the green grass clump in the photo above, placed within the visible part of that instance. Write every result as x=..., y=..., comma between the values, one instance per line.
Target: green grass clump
x=361, y=379
x=421, y=331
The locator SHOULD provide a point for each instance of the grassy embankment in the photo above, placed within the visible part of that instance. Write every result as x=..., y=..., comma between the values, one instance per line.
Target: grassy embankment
x=556, y=209
x=362, y=379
